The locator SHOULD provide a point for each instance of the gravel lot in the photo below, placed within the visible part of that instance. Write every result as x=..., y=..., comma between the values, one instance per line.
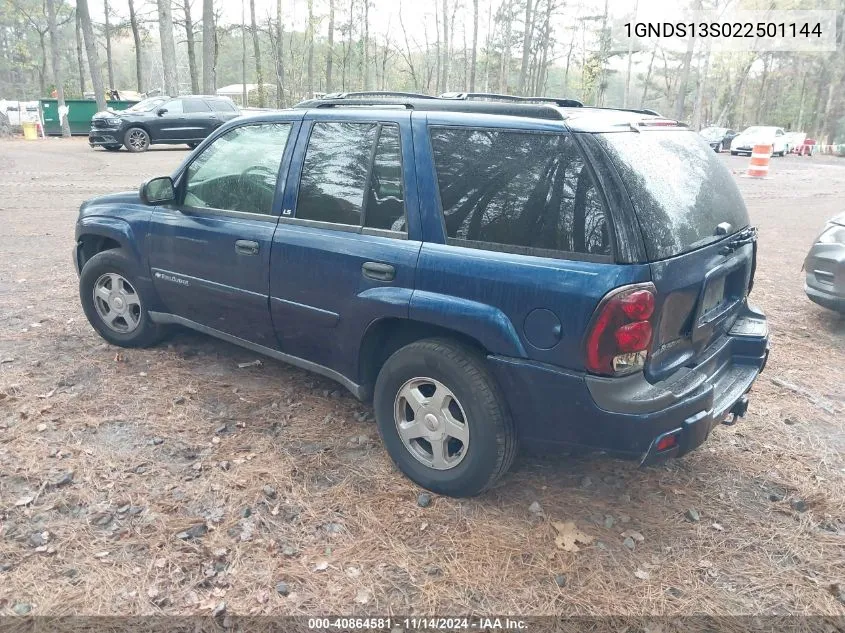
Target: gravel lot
x=171, y=481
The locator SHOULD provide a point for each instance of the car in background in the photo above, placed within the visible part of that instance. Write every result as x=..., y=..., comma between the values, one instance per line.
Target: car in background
x=161, y=120
x=744, y=142
x=794, y=140
x=825, y=267
x=719, y=138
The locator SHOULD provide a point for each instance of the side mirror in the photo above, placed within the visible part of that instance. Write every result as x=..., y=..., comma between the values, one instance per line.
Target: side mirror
x=161, y=111
x=158, y=190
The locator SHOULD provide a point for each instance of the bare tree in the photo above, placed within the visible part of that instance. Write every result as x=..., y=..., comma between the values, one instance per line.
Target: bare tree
x=190, y=42
x=365, y=58
x=91, y=52
x=80, y=63
x=280, y=60
x=107, y=34
x=208, y=39
x=474, y=46
x=168, y=47
x=406, y=54
x=526, y=45
x=259, y=75
x=136, y=36
x=309, y=43
x=57, y=66
x=330, y=51
x=445, y=49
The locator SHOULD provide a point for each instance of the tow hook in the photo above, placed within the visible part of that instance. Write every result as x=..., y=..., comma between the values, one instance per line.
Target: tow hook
x=737, y=411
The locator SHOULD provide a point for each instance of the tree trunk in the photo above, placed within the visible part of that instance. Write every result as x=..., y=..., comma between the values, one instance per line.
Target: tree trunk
x=79, y=59
x=526, y=47
x=136, y=36
x=280, y=59
x=366, y=58
x=731, y=92
x=437, y=50
x=627, y=96
x=259, y=75
x=699, y=93
x=192, y=55
x=309, y=43
x=244, y=93
x=42, y=71
x=474, y=46
x=330, y=51
x=209, y=81
x=446, y=53
x=168, y=48
x=407, y=54
x=107, y=32
x=91, y=52
x=648, y=77
x=681, y=94
x=57, y=66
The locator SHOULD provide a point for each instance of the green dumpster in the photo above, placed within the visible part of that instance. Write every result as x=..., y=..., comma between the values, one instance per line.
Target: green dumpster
x=80, y=113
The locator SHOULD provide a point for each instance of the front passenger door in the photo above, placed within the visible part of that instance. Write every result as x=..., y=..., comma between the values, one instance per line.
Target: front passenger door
x=210, y=252
x=169, y=121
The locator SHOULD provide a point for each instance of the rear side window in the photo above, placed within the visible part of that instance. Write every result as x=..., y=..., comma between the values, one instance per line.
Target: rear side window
x=222, y=105
x=196, y=105
x=352, y=176
x=521, y=192
x=679, y=188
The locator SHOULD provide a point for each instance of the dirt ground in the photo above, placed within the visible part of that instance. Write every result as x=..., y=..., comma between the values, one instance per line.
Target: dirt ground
x=171, y=481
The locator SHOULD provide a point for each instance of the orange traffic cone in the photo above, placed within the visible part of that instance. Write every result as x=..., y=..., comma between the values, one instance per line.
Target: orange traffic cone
x=759, y=165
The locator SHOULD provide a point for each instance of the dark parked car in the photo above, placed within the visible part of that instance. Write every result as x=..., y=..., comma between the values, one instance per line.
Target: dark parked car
x=719, y=138
x=487, y=272
x=161, y=120
x=825, y=266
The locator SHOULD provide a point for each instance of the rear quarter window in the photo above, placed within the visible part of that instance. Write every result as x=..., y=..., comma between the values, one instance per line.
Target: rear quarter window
x=518, y=191
x=679, y=188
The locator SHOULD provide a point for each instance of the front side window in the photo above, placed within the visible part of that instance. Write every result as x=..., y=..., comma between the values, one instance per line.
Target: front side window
x=173, y=107
x=334, y=174
x=239, y=170
x=518, y=191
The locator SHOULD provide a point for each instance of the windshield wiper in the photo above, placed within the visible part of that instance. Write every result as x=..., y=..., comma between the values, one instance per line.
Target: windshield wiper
x=748, y=235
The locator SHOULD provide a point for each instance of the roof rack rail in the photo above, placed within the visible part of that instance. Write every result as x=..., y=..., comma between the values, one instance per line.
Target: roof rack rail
x=372, y=94
x=638, y=111
x=491, y=96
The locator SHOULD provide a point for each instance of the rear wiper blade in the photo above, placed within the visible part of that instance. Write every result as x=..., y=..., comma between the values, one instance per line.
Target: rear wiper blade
x=747, y=235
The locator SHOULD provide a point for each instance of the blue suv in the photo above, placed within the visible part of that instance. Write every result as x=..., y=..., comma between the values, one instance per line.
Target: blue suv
x=488, y=270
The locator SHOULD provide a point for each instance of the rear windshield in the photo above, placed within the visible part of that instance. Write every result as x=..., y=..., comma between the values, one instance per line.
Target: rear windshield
x=679, y=187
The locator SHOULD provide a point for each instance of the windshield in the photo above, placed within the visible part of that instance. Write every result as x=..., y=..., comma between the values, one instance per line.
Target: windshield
x=758, y=129
x=679, y=187
x=147, y=105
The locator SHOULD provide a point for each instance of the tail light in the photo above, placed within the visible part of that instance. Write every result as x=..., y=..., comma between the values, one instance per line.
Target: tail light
x=621, y=331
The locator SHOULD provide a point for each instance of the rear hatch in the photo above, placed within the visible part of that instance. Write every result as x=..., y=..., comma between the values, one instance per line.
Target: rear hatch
x=697, y=238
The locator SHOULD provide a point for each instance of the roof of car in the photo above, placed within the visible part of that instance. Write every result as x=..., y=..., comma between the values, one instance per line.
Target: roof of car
x=575, y=115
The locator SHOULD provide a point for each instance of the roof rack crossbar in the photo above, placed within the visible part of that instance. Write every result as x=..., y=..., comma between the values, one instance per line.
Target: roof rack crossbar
x=491, y=96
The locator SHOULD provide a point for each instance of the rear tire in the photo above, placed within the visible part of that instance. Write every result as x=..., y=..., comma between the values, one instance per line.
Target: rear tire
x=114, y=303
x=136, y=140
x=442, y=391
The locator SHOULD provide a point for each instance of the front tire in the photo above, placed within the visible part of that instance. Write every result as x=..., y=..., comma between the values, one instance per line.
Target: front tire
x=136, y=140
x=443, y=418
x=114, y=302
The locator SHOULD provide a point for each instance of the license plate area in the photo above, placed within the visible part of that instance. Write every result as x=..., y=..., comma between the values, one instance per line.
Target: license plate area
x=714, y=295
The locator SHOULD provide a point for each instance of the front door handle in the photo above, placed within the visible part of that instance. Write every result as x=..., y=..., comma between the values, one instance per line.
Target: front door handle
x=378, y=271
x=246, y=247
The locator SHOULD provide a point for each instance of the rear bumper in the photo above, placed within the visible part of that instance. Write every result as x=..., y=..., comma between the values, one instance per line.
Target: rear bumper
x=825, y=281
x=551, y=405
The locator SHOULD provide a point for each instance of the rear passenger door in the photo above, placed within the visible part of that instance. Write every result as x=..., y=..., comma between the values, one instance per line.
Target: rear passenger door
x=347, y=242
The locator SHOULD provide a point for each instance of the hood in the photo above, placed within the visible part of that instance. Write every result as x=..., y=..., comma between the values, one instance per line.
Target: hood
x=112, y=204
x=712, y=135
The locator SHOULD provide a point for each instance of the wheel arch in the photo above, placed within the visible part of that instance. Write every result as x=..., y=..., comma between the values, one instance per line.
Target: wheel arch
x=95, y=235
x=385, y=336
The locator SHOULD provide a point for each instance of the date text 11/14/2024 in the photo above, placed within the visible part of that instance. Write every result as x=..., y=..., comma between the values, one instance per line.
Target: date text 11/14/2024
x=481, y=624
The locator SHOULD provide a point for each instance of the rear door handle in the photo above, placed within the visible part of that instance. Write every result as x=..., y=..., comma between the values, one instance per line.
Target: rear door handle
x=246, y=247
x=378, y=271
